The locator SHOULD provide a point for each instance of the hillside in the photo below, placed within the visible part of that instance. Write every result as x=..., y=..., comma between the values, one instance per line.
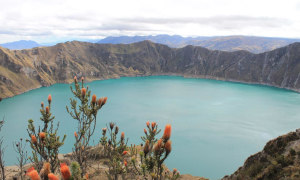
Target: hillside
x=18, y=45
x=280, y=159
x=22, y=70
x=225, y=43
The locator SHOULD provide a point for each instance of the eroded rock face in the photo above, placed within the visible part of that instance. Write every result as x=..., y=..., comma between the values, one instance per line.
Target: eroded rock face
x=280, y=159
x=29, y=69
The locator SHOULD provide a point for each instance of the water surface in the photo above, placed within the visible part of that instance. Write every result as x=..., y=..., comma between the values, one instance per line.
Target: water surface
x=216, y=124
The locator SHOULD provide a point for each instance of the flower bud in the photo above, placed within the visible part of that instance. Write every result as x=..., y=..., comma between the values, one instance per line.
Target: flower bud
x=75, y=134
x=109, y=142
x=103, y=131
x=146, y=147
x=167, y=133
x=122, y=136
x=42, y=135
x=47, y=110
x=86, y=176
x=49, y=99
x=168, y=147
x=124, y=153
x=104, y=100
x=83, y=92
x=174, y=171
x=82, y=79
x=100, y=101
x=153, y=125
x=111, y=125
x=75, y=79
x=154, y=131
x=33, y=139
x=145, y=131
x=125, y=163
x=42, y=104
x=94, y=98
x=116, y=130
x=148, y=123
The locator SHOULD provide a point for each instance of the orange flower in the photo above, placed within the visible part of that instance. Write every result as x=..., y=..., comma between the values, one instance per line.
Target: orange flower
x=125, y=162
x=42, y=104
x=104, y=100
x=65, y=171
x=51, y=176
x=148, y=123
x=145, y=131
x=33, y=174
x=86, y=176
x=94, y=98
x=122, y=136
x=146, y=147
x=47, y=110
x=124, y=153
x=154, y=131
x=42, y=135
x=167, y=132
x=75, y=134
x=168, y=147
x=49, y=99
x=159, y=142
x=174, y=171
x=83, y=92
x=33, y=139
x=153, y=125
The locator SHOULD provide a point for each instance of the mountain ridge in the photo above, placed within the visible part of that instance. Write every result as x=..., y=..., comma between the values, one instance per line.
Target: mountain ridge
x=22, y=70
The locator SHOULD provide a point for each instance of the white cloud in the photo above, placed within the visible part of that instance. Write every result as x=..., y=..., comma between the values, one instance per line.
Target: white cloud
x=51, y=20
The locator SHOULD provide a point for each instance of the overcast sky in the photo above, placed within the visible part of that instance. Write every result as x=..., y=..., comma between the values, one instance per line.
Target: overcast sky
x=56, y=20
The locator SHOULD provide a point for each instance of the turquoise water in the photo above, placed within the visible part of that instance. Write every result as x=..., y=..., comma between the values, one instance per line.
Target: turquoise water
x=216, y=125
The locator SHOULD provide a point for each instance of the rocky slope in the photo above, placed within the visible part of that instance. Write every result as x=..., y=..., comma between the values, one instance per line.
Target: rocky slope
x=22, y=70
x=280, y=159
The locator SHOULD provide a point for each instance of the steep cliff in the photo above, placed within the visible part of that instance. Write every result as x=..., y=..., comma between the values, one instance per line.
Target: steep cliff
x=22, y=70
x=280, y=159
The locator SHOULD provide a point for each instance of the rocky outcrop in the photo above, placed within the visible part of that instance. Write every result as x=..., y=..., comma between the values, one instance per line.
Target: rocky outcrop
x=22, y=70
x=280, y=159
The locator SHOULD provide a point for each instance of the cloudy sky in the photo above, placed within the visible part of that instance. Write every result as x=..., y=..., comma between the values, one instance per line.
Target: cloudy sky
x=58, y=20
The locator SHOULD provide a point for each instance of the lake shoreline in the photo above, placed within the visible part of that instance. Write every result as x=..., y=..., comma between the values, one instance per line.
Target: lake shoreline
x=188, y=76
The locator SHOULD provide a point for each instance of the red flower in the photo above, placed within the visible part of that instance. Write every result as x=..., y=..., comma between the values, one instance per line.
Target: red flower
x=125, y=162
x=49, y=99
x=83, y=92
x=86, y=176
x=124, y=153
x=148, y=123
x=33, y=139
x=94, y=98
x=33, y=174
x=42, y=135
x=167, y=132
x=51, y=176
x=65, y=171
x=47, y=110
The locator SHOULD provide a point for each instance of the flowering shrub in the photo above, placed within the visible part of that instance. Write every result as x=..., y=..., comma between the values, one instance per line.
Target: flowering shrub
x=45, y=142
x=86, y=115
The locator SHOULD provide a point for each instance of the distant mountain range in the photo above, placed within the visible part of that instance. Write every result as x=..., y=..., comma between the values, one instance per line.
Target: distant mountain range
x=23, y=44
x=23, y=70
x=225, y=43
